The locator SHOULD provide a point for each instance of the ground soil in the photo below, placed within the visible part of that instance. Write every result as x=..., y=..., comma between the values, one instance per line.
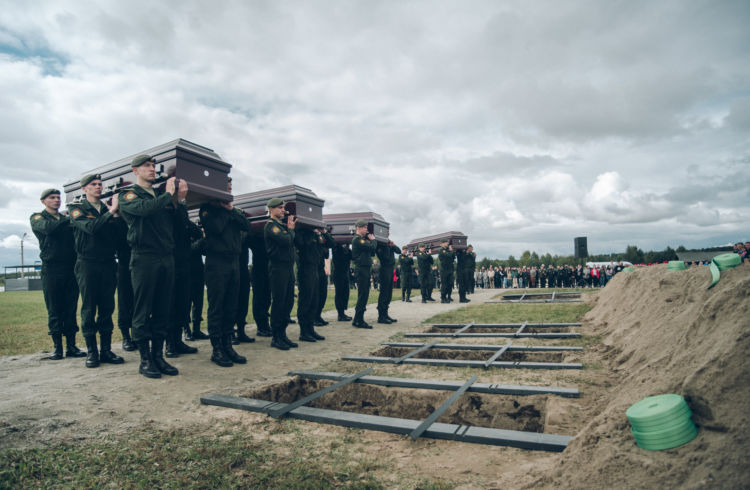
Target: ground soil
x=651, y=331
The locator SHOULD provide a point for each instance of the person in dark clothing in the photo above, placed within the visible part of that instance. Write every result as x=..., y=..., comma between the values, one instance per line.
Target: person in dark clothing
x=243, y=299
x=57, y=251
x=385, y=252
x=325, y=242
x=447, y=258
x=363, y=248
x=309, y=251
x=124, y=286
x=197, y=288
x=260, y=284
x=406, y=265
x=424, y=264
x=279, y=240
x=342, y=258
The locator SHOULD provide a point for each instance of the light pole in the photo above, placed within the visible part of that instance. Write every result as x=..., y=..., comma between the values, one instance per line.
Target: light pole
x=24, y=236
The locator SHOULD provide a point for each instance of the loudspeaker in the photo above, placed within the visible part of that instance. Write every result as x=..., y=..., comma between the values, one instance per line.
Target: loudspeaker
x=580, y=248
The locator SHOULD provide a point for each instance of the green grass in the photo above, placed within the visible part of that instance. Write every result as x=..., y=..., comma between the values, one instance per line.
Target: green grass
x=23, y=320
x=514, y=313
x=226, y=457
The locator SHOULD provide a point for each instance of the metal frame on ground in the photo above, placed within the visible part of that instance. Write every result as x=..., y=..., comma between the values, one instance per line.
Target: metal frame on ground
x=508, y=298
x=463, y=330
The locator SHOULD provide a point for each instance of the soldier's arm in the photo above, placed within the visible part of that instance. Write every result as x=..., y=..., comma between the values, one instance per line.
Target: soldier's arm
x=47, y=227
x=135, y=205
x=88, y=225
x=330, y=242
x=238, y=216
x=214, y=221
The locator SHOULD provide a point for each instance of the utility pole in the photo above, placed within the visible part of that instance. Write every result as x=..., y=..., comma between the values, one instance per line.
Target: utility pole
x=24, y=236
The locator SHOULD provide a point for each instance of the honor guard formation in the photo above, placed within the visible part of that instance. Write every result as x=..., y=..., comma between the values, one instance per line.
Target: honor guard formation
x=143, y=245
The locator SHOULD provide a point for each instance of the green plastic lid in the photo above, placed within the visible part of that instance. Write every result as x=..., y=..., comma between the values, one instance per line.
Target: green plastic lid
x=661, y=422
x=655, y=408
x=668, y=443
x=721, y=263
x=628, y=269
x=676, y=265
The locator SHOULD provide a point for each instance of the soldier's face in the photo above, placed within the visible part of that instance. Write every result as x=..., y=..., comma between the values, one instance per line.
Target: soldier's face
x=362, y=230
x=52, y=201
x=277, y=212
x=93, y=188
x=147, y=172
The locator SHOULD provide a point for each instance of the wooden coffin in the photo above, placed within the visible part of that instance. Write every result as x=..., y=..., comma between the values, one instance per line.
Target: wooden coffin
x=298, y=201
x=455, y=238
x=342, y=226
x=204, y=170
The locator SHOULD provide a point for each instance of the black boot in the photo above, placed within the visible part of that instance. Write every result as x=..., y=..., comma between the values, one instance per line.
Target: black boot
x=278, y=343
x=283, y=337
x=71, y=349
x=231, y=353
x=147, y=366
x=343, y=317
x=393, y=320
x=181, y=347
x=157, y=354
x=315, y=334
x=106, y=354
x=408, y=296
x=127, y=341
x=92, y=358
x=384, y=319
x=170, y=350
x=304, y=333
x=233, y=338
x=197, y=334
x=242, y=336
x=188, y=334
x=264, y=331
x=57, y=353
x=218, y=356
x=320, y=322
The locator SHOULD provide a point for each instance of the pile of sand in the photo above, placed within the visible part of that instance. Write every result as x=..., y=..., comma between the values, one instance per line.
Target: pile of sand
x=663, y=332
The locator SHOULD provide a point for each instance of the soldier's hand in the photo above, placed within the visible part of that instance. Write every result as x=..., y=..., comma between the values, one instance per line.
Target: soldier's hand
x=390, y=242
x=371, y=236
x=170, y=185
x=115, y=206
x=227, y=205
x=291, y=222
x=182, y=190
x=450, y=247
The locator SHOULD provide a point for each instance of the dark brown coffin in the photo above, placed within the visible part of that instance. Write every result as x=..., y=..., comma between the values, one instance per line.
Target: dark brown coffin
x=342, y=226
x=298, y=201
x=205, y=172
x=455, y=238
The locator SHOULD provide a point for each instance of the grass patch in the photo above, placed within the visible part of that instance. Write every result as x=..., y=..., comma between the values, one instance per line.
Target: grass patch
x=514, y=313
x=23, y=322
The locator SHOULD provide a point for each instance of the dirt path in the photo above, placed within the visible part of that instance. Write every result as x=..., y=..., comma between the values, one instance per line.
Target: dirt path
x=45, y=402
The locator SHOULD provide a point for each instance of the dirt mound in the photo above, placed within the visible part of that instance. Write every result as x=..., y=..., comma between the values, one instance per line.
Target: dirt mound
x=663, y=332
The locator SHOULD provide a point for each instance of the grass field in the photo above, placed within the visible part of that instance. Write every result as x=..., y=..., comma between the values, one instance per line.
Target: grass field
x=23, y=320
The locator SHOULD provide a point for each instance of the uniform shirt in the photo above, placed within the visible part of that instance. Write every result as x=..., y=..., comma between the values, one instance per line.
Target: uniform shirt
x=424, y=263
x=307, y=246
x=55, y=235
x=185, y=233
x=95, y=231
x=223, y=229
x=150, y=220
x=342, y=258
x=405, y=263
x=279, y=242
x=325, y=241
x=385, y=253
x=362, y=251
x=446, y=259
x=462, y=260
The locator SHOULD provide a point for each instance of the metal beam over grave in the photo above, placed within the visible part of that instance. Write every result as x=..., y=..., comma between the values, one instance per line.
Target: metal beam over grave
x=464, y=331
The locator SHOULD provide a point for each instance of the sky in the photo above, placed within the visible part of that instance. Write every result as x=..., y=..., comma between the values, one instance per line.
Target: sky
x=522, y=124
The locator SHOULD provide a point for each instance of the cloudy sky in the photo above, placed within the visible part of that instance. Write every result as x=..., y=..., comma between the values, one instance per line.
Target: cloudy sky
x=520, y=123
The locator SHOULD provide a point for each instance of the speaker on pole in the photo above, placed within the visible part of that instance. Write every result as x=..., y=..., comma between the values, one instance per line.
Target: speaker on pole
x=580, y=249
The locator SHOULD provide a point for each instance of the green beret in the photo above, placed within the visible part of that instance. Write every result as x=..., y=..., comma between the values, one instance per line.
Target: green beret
x=444, y=240
x=469, y=246
x=87, y=179
x=422, y=245
x=360, y=222
x=140, y=160
x=274, y=202
x=47, y=192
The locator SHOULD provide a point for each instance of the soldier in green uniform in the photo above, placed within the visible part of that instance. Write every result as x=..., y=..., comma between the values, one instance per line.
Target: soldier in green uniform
x=57, y=251
x=243, y=297
x=261, y=285
x=223, y=225
x=447, y=258
x=197, y=287
x=150, y=216
x=363, y=248
x=342, y=258
x=471, y=266
x=325, y=241
x=309, y=251
x=124, y=286
x=385, y=252
x=424, y=265
x=279, y=239
x=179, y=319
x=406, y=265
x=95, y=232
x=463, y=262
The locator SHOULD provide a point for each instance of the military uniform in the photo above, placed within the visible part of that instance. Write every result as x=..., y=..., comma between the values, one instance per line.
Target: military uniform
x=197, y=288
x=424, y=264
x=56, y=249
x=447, y=258
x=308, y=251
x=124, y=286
x=406, y=265
x=385, y=252
x=362, y=251
x=95, y=270
x=261, y=285
x=325, y=241
x=342, y=258
x=243, y=297
x=223, y=228
x=463, y=264
x=150, y=219
x=280, y=250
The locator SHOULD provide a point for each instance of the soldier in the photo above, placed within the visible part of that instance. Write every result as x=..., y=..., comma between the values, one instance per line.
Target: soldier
x=185, y=232
x=279, y=239
x=197, y=287
x=447, y=258
x=149, y=214
x=463, y=264
x=124, y=286
x=363, y=248
x=260, y=284
x=471, y=257
x=223, y=225
x=325, y=241
x=405, y=264
x=424, y=264
x=95, y=232
x=342, y=258
x=308, y=248
x=57, y=251
x=243, y=298
x=385, y=252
